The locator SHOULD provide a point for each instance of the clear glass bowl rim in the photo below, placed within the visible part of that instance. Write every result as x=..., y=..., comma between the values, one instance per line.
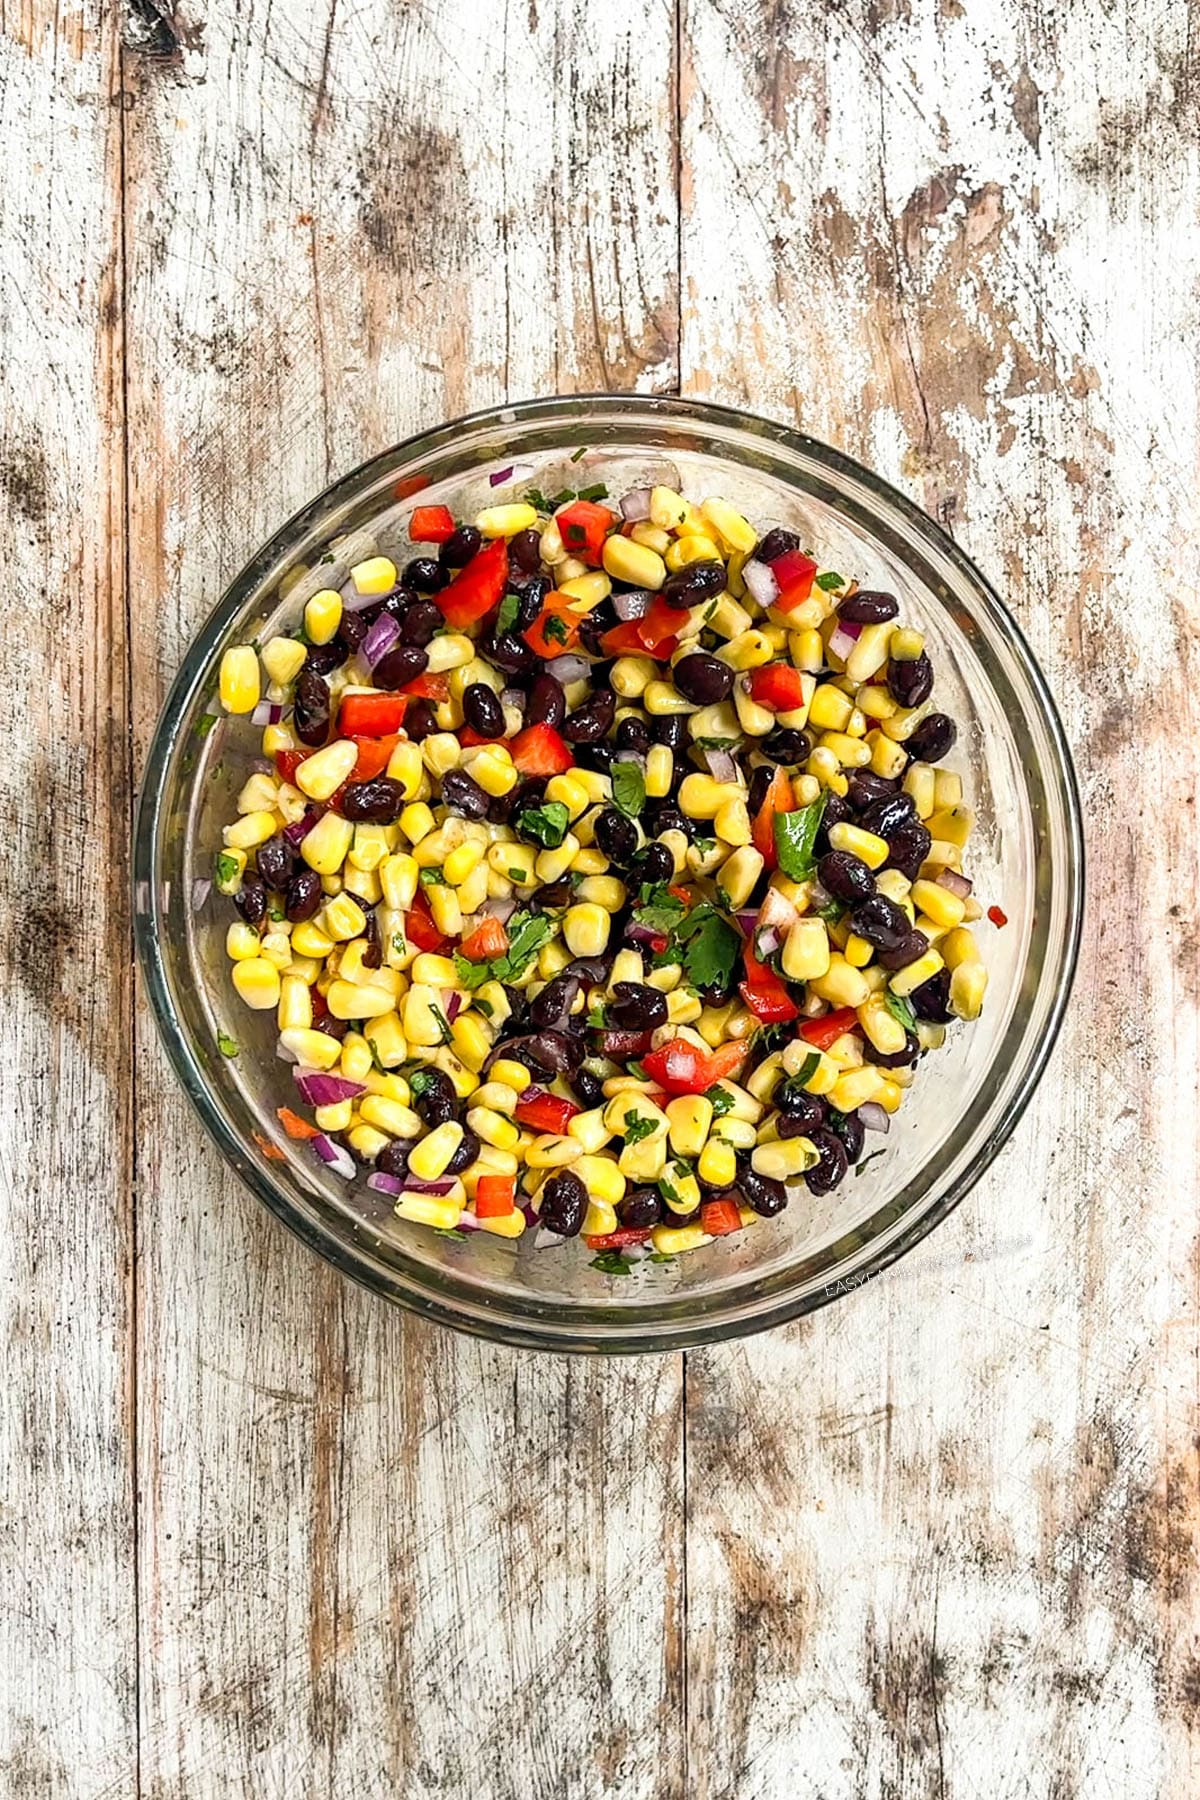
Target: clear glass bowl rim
x=628, y=1333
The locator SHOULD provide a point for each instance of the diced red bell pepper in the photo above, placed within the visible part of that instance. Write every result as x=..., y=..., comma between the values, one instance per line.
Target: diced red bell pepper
x=583, y=527
x=764, y=992
x=427, y=687
x=778, y=687
x=657, y=625
x=545, y=1112
x=374, y=754
x=822, y=1032
x=470, y=739
x=371, y=715
x=680, y=893
x=494, y=1196
x=556, y=628
x=431, y=525
x=419, y=927
x=288, y=761
x=997, y=916
x=623, y=640
x=477, y=588
x=794, y=572
x=779, y=798
x=538, y=750
x=683, y=1068
x=294, y=1125
x=618, y=1240
x=489, y=939
x=719, y=1217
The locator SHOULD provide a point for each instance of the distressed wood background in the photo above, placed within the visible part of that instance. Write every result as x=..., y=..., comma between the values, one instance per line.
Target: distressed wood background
x=262, y=1536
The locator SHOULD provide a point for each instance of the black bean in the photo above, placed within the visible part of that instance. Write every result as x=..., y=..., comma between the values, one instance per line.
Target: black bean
x=465, y=1155
x=671, y=729
x=898, y=956
x=525, y=551
x=303, y=895
x=868, y=607
x=531, y=592
x=797, y=1103
x=334, y=1028
x=591, y=640
x=783, y=745
x=420, y=720
x=555, y=893
x=637, y=1007
x=616, y=836
x=393, y=1158
x=640, y=1208
x=931, y=1001
x=323, y=659
x=593, y=720
x=507, y=652
x=381, y=800
x=836, y=812
x=863, y=787
x=251, y=897
x=910, y=680
x=702, y=678
x=845, y=876
x=402, y=664
x=464, y=795
x=761, y=1193
x=907, y=849
x=546, y=704
x=351, y=632
x=791, y=1127
x=654, y=863
x=482, y=711
x=373, y=954
x=587, y=1088
x=760, y=781
x=420, y=624
x=693, y=583
x=546, y=1052
x=426, y=575
x=893, y=812
x=276, y=860
x=850, y=1128
x=882, y=923
x=460, y=547
x=777, y=542
x=831, y=1170
x=437, y=1101
x=620, y=1044
x=311, y=708
x=564, y=1204
x=933, y=738
x=398, y=602
x=898, y=1059
x=551, y=1008
x=596, y=757
x=633, y=734
x=666, y=816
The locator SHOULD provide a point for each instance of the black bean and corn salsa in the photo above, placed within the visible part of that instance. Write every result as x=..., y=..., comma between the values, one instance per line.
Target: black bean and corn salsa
x=600, y=872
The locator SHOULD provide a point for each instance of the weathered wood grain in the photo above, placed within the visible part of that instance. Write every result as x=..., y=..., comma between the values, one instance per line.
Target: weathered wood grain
x=67, y=1614
x=376, y=1559
x=942, y=1539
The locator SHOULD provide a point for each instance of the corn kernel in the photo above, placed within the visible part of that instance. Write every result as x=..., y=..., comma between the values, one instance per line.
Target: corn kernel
x=472, y=1040
x=277, y=949
x=295, y=1011
x=830, y=708
x=841, y=984
x=242, y=941
x=506, y=521
x=905, y=980
x=661, y=700
x=250, y=830
x=549, y=865
x=870, y=652
x=943, y=907
x=491, y=1128
x=446, y=910
x=652, y=535
x=953, y=826
x=377, y=575
x=851, y=752
x=660, y=766
x=283, y=658
x=734, y=531
x=690, y=1117
x=240, y=681
x=630, y=676
x=958, y=947
x=732, y=823
x=353, y=1000
x=343, y=918
x=866, y=845
x=785, y=1160
x=738, y=875
x=322, y=773
x=257, y=982
x=308, y=939
x=311, y=1049
x=461, y=862
x=675, y=1240
x=396, y=1119
x=857, y=951
x=427, y=1209
x=668, y=510
x=806, y=950
x=692, y=547
x=428, y=1158
x=585, y=929
x=645, y=1161
x=366, y=1142
x=385, y=1040
x=947, y=790
x=602, y=1179
x=323, y=615
x=640, y=566
x=421, y=1024
x=717, y=1164
x=507, y=1225
x=681, y=1193
x=968, y=984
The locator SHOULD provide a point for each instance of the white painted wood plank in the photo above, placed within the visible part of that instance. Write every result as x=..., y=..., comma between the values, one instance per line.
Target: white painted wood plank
x=943, y=1538
x=67, y=1616
x=376, y=1558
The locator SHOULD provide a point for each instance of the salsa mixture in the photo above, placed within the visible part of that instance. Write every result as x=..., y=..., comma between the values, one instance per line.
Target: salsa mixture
x=600, y=872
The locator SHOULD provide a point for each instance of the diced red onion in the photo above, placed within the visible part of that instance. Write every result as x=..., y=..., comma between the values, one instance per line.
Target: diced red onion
x=812, y=1006
x=631, y=606
x=201, y=888
x=766, y=943
x=776, y=912
x=761, y=584
x=534, y=1092
x=277, y=712
x=954, y=883
x=721, y=765
x=452, y=1004
x=353, y=601
x=874, y=1116
x=545, y=1239
x=441, y=1187
x=333, y=1156
x=385, y=1184
x=638, y=934
x=500, y=476
x=818, y=896
x=320, y=1089
x=637, y=1252
x=566, y=669
x=261, y=714
x=635, y=505
x=298, y=830
x=842, y=642
x=746, y=921
x=499, y=909
x=518, y=472
x=379, y=639
x=467, y=1221
x=528, y=1212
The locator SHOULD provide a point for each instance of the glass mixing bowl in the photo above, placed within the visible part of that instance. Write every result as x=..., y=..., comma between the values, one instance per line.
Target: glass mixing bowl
x=1025, y=856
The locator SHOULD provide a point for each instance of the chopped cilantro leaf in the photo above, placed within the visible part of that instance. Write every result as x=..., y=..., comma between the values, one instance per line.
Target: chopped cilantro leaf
x=660, y=909
x=715, y=743
x=829, y=580
x=527, y=932
x=611, y=1262
x=419, y=1080
x=595, y=1019
x=637, y=1127
x=506, y=618
x=226, y=1045
x=722, y=1101
x=575, y=535
x=546, y=824
x=580, y=453
x=704, y=846
x=432, y=878
x=597, y=492
x=657, y=1256
x=795, y=836
x=554, y=629
x=712, y=946
x=516, y=874
x=205, y=723
x=441, y=1021
x=451, y=1231
x=900, y=1009
x=226, y=868
x=860, y=1166
x=831, y=912
x=484, y=1006
x=635, y=1068
x=807, y=1069
x=629, y=788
